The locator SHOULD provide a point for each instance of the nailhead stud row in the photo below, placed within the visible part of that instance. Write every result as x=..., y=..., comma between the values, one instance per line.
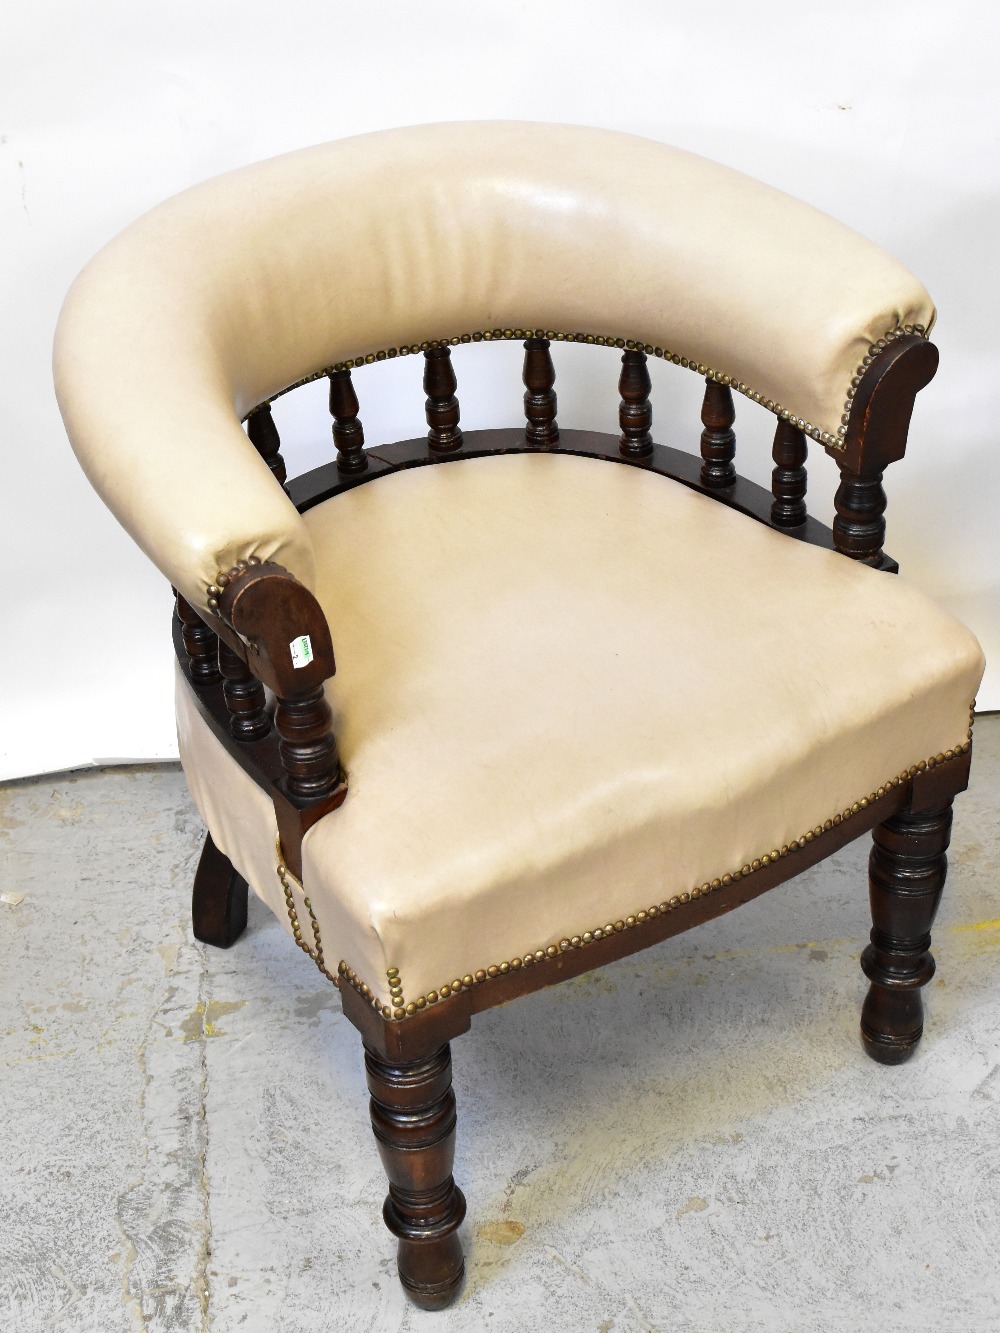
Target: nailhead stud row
x=225, y=577
x=830, y=440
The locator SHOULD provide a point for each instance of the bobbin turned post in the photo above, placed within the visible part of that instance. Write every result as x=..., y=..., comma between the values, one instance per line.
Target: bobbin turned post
x=413, y=1116
x=444, y=435
x=906, y=874
x=788, y=478
x=348, y=432
x=635, y=415
x=200, y=643
x=541, y=429
x=264, y=437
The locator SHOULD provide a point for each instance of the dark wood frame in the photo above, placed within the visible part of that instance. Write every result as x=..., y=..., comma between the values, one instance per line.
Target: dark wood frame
x=273, y=719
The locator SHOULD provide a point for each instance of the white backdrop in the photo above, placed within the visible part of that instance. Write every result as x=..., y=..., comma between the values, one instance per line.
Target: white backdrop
x=885, y=115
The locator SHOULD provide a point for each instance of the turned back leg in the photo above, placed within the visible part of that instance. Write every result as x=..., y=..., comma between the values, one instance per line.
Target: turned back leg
x=413, y=1115
x=219, y=899
x=906, y=873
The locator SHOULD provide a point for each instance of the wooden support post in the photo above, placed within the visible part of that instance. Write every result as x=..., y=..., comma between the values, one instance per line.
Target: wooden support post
x=718, y=442
x=635, y=414
x=539, y=397
x=788, y=478
x=348, y=433
x=444, y=434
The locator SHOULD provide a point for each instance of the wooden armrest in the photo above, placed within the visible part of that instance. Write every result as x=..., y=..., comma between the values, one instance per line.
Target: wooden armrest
x=273, y=627
x=279, y=626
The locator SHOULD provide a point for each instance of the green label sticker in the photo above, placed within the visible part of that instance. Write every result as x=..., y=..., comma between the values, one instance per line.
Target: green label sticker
x=301, y=650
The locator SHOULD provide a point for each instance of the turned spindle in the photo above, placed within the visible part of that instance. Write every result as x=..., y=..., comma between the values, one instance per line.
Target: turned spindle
x=859, y=527
x=539, y=396
x=200, y=643
x=635, y=412
x=788, y=479
x=413, y=1116
x=244, y=696
x=265, y=439
x=906, y=874
x=307, y=745
x=444, y=435
x=718, y=442
x=348, y=433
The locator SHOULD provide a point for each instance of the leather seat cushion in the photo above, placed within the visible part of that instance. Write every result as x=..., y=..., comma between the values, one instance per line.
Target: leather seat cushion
x=569, y=690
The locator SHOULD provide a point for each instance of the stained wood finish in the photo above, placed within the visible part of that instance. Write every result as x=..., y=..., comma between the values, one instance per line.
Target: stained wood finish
x=307, y=747
x=877, y=425
x=635, y=413
x=744, y=496
x=261, y=761
x=718, y=442
x=219, y=899
x=270, y=611
x=539, y=376
x=859, y=528
x=444, y=435
x=201, y=645
x=788, y=478
x=244, y=695
x=265, y=439
x=906, y=870
x=348, y=433
x=413, y=1116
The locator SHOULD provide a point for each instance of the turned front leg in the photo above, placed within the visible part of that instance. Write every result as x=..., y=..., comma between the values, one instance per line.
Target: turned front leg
x=906, y=873
x=413, y=1115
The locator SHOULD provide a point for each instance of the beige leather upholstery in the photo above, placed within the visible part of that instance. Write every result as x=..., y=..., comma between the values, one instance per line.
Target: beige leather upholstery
x=225, y=295
x=569, y=690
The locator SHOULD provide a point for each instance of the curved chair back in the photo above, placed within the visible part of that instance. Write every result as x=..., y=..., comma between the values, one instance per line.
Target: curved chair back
x=360, y=250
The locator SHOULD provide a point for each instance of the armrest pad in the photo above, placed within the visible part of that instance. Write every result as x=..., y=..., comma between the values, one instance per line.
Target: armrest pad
x=236, y=289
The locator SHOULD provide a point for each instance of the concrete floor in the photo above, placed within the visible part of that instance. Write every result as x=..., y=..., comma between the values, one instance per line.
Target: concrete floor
x=690, y=1140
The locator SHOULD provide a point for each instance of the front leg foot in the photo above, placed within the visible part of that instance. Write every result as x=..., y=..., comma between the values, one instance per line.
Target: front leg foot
x=413, y=1115
x=219, y=899
x=906, y=874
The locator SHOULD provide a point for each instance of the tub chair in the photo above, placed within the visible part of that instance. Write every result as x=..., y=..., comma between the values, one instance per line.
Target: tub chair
x=591, y=690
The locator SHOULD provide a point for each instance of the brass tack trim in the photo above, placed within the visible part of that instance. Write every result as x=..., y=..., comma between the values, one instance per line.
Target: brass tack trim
x=225, y=576
x=286, y=880
x=827, y=438
x=569, y=943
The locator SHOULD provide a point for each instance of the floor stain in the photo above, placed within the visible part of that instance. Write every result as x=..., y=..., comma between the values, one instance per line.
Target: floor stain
x=309, y=1007
x=501, y=1233
x=989, y=1088
x=696, y=1204
x=203, y=1020
x=168, y=952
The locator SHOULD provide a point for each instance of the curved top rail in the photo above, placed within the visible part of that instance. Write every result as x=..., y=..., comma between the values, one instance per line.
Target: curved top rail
x=225, y=295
